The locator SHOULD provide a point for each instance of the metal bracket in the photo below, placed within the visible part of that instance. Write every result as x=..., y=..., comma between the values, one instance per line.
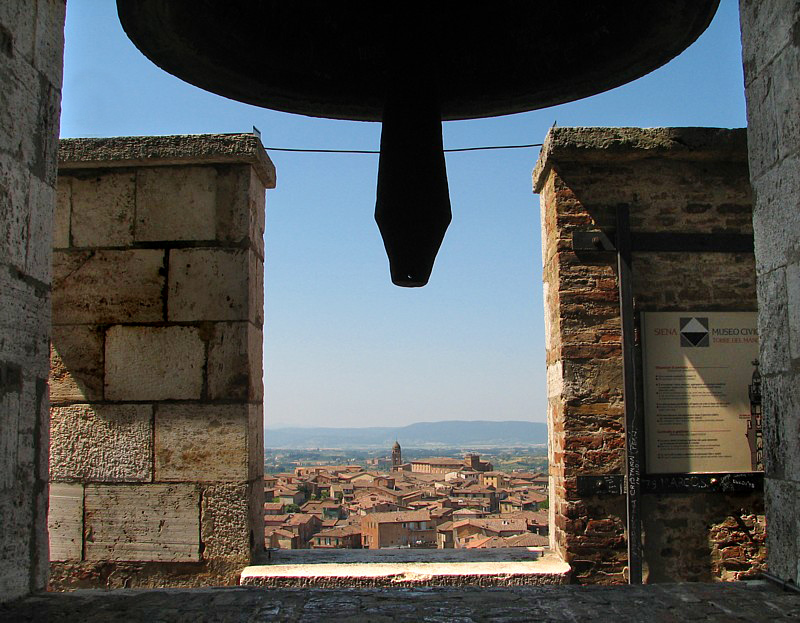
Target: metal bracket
x=666, y=242
x=592, y=242
x=603, y=484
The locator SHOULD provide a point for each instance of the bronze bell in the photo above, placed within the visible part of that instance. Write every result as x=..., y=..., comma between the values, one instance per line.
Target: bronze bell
x=411, y=65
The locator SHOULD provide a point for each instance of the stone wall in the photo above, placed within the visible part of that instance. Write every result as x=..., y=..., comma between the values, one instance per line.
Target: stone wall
x=673, y=180
x=156, y=453
x=771, y=54
x=31, y=50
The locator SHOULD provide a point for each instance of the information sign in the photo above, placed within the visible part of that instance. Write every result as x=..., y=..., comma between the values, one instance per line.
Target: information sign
x=702, y=392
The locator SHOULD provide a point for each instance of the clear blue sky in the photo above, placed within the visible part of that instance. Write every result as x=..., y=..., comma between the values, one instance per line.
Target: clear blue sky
x=343, y=346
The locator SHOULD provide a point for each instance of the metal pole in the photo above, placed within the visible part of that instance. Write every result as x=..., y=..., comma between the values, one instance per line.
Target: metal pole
x=633, y=420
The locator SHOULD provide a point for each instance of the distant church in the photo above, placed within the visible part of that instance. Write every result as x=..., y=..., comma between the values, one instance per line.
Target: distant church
x=397, y=456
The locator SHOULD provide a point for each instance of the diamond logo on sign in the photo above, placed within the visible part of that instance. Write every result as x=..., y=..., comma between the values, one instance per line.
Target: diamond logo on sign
x=694, y=332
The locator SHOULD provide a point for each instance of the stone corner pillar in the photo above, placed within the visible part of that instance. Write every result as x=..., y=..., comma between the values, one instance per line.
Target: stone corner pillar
x=31, y=62
x=156, y=455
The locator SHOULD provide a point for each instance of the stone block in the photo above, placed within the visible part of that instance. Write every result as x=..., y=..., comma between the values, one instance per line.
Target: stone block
x=255, y=442
x=255, y=270
x=780, y=500
x=65, y=521
x=784, y=72
x=257, y=203
x=23, y=116
x=176, y=203
x=773, y=329
x=210, y=284
x=101, y=443
x=156, y=522
x=63, y=212
x=16, y=561
x=103, y=207
x=793, y=308
x=201, y=442
x=76, y=363
x=18, y=18
x=23, y=490
x=776, y=216
x=766, y=29
x=14, y=211
x=154, y=363
x=233, y=210
x=226, y=522
x=20, y=399
x=235, y=362
x=38, y=258
x=49, y=41
x=108, y=286
x=24, y=323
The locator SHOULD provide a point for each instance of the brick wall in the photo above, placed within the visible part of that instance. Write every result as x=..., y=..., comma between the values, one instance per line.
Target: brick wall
x=156, y=451
x=31, y=50
x=771, y=55
x=673, y=180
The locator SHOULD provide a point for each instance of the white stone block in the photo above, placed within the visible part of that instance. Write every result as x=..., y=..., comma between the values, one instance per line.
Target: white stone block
x=103, y=210
x=76, y=363
x=176, y=203
x=154, y=363
x=65, y=521
x=109, y=286
x=201, y=442
x=226, y=522
x=235, y=362
x=102, y=443
x=209, y=284
x=156, y=522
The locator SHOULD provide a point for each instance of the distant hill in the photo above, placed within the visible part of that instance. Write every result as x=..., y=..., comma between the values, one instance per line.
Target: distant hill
x=456, y=433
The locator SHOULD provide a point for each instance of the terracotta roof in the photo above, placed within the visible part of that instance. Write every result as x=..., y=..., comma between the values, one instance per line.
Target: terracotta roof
x=339, y=531
x=399, y=516
x=300, y=518
x=529, y=539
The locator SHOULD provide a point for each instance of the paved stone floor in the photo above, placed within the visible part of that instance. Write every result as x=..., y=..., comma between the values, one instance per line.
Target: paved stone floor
x=752, y=601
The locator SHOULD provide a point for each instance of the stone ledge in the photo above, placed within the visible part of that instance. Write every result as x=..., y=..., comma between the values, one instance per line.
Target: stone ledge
x=154, y=151
x=600, y=144
x=399, y=568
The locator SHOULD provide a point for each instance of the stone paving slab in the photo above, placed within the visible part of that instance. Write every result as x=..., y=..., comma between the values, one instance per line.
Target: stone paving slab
x=661, y=603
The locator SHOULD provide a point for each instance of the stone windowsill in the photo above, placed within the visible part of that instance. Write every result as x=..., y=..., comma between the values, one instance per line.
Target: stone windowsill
x=345, y=568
